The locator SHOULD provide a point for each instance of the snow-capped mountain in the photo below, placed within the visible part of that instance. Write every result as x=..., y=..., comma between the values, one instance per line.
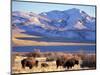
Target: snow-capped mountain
x=72, y=24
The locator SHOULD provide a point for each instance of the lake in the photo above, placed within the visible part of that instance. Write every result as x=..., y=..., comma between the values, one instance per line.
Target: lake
x=85, y=48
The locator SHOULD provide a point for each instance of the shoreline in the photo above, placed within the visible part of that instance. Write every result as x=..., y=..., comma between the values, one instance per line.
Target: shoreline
x=20, y=42
x=67, y=52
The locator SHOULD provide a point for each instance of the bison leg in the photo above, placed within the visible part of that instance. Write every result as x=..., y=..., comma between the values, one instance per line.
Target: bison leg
x=36, y=63
x=23, y=66
x=57, y=66
x=24, y=63
x=68, y=67
x=30, y=67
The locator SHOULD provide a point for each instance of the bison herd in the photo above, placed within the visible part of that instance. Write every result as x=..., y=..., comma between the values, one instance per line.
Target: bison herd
x=69, y=63
x=31, y=63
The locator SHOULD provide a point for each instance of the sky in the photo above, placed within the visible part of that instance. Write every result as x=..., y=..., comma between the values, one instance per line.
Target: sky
x=44, y=7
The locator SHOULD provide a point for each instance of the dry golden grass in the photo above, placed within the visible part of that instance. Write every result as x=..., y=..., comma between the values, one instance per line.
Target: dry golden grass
x=17, y=68
x=52, y=67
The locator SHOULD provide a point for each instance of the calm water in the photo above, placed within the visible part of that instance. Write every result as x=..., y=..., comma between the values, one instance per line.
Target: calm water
x=88, y=49
x=47, y=39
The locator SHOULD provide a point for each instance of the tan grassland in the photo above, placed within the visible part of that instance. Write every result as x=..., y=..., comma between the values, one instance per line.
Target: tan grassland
x=17, y=67
x=18, y=42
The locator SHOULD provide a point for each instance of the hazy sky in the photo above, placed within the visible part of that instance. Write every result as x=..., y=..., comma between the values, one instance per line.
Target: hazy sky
x=43, y=7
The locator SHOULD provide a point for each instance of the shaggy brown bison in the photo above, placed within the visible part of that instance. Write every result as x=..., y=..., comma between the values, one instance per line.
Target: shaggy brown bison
x=44, y=65
x=70, y=63
x=59, y=62
x=66, y=63
x=29, y=63
x=88, y=63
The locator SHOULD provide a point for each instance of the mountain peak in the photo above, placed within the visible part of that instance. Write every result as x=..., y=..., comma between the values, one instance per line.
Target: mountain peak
x=68, y=23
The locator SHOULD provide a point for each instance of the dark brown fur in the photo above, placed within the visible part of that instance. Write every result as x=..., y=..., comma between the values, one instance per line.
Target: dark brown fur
x=29, y=63
x=66, y=63
x=44, y=65
x=70, y=63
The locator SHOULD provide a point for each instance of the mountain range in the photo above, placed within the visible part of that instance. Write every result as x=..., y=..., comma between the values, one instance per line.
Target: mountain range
x=73, y=24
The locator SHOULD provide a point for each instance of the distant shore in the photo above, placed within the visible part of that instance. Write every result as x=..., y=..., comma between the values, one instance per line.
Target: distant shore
x=20, y=42
x=35, y=43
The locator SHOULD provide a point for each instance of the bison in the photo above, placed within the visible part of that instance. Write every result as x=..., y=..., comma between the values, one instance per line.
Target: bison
x=70, y=63
x=29, y=63
x=59, y=62
x=44, y=65
x=88, y=63
x=66, y=63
